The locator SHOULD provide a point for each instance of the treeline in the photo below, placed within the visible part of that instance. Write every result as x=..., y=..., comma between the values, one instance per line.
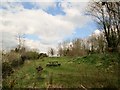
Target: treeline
x=96, y=43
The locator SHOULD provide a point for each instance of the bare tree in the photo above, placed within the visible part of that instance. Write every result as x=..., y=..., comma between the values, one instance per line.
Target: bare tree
x=21, y=41
x=107, y=16
x=97, y=43
x=51, y=51
x=60, y=49
x=101, y=43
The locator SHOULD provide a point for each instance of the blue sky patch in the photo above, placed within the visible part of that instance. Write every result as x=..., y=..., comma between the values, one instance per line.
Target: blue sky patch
x=57, y=10
x=32, y=37
x=86, y=30
x=28, y=5
x=83, y=32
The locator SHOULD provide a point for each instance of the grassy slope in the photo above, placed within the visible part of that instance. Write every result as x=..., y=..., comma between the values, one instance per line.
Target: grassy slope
x=90, y=71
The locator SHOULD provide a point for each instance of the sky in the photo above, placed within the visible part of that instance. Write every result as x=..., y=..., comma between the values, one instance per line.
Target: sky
x=44, y=24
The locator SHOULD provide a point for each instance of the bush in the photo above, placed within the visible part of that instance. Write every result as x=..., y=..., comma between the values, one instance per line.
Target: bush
x=31, y=55
x=10, y=56
x=7, y=70
x=42, y=55
x=17, y=62
x=101, y=60
x=39, y=71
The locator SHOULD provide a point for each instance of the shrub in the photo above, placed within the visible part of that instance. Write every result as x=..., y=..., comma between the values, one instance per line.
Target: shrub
x=39, y=69
x=100, y=60
x=42, y=55
x=12, y=56
x=23, y=57
x=7, y=70
x=17, y=62
x=31, y=55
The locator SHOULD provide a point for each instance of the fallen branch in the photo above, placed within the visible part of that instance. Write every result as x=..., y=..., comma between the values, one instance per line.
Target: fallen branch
x=83, y=87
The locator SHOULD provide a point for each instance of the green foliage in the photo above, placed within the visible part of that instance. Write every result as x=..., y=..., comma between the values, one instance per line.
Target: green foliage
x=88, y=59
x=7, y=70
x=42, y=55
x=31, y=55
x=103, y=60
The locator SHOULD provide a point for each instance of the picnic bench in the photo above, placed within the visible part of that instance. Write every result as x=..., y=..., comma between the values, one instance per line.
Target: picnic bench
x=53, y=63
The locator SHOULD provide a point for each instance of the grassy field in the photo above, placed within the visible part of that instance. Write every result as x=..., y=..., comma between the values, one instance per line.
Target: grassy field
x=80, y=72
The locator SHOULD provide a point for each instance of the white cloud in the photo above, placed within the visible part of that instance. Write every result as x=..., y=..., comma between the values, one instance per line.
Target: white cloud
x=36, y=44
x=8, y=40
x=75, y=13
x=50, y=29
x=45, y=0
x=97, y=32
x=12, y=7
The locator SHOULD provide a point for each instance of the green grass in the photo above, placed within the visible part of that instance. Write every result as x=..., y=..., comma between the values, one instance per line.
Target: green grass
x=72, y=73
